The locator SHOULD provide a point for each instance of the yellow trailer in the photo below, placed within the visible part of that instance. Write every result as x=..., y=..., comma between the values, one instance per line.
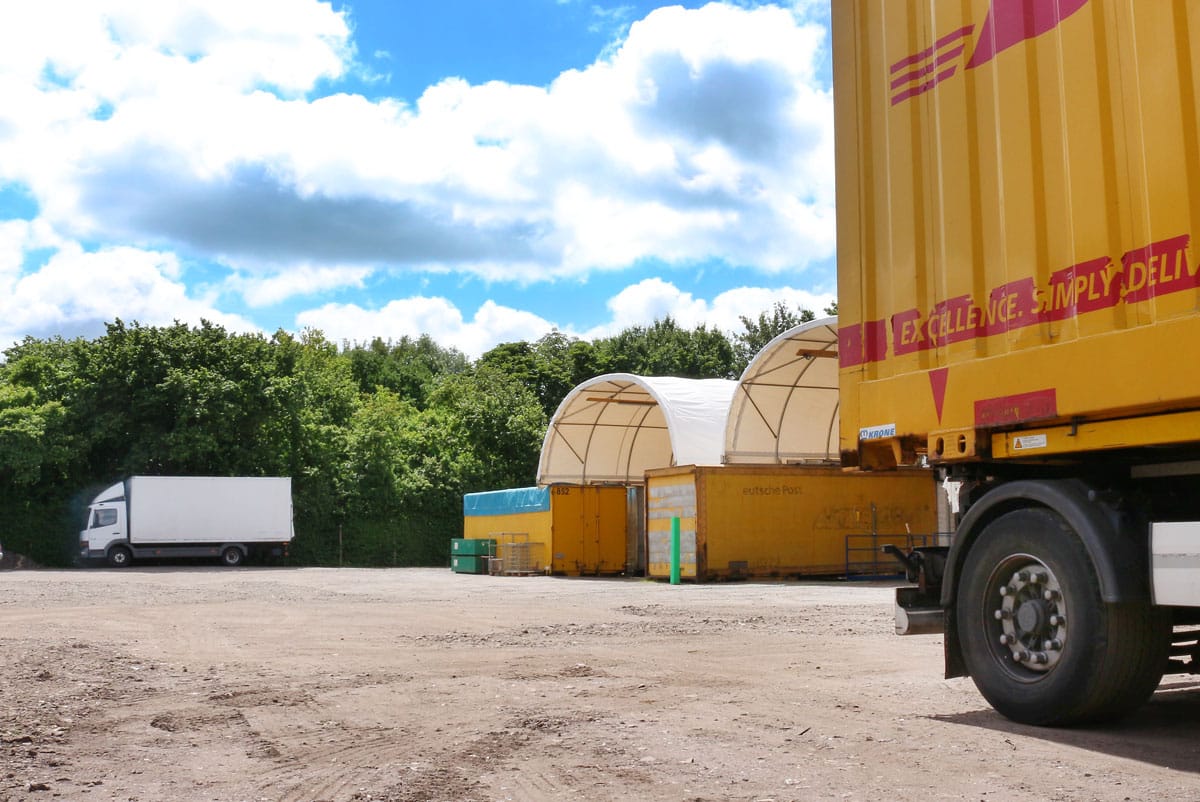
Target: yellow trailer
x=775, y=520
x=562, y=529
x=1016, y=197
x=1018, y=185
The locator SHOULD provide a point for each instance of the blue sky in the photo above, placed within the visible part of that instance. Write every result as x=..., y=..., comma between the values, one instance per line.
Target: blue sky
x=478, y=171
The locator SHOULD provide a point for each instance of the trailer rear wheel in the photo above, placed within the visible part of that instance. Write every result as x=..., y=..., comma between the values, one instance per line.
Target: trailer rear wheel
x=119, y=557
x=1041, y=645
x=231, y=556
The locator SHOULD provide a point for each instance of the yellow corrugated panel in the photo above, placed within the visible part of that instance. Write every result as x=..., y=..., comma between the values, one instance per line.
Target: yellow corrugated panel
x=536, y=524
x=1018, y=188
x=763, y=521
x=583, y=532
x=589, y=529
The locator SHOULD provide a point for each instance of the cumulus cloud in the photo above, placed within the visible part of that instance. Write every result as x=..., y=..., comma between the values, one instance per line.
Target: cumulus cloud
x=76, y=292
x=655, y=299
x=440, y=318
x=637, y=305
x=704, y=135
x=154, y=136
x=264, y=290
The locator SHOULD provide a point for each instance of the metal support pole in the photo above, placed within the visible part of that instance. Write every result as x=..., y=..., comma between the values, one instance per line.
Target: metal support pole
x=675, y=551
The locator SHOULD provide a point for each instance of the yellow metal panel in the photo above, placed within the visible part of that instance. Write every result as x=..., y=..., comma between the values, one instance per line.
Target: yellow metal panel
x=784, y=520
x=611, y=528
x=536, y=524
x=584, y=531
x=1180, y=427
x=1016, y=206
x=795, y=521
x=589, y=529
x=566, y=547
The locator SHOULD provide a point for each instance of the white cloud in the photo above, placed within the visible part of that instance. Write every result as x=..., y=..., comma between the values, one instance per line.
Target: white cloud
x=654, y=299
x=76, y=292
x=438, y=317
x=637, y=305
x=727, y=308
x=649, y=300
x=17, y=238
x=704, y=135
x=271, y=289
x=286, y=44
x=193, y=130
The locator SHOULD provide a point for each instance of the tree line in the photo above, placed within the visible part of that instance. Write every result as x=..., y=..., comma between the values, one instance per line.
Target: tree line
x=381, y=439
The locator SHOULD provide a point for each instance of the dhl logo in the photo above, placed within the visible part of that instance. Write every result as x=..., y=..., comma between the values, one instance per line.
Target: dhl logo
x=1008, y=23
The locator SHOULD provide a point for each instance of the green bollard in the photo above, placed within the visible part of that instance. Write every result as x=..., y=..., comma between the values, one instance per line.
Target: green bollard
x=675, y=551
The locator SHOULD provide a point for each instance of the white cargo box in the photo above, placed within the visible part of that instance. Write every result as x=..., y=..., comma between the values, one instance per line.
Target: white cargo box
x=209, y=509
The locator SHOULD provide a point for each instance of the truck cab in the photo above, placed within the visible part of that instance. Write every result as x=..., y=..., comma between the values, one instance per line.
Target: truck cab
x=106, y=529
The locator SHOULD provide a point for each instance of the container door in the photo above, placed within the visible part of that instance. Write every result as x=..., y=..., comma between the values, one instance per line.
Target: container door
x=567, y=551
x=589, y=531
x=635, y=531
x=603, y=527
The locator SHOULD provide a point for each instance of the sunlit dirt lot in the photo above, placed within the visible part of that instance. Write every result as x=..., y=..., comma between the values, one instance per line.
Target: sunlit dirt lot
x=197, y=683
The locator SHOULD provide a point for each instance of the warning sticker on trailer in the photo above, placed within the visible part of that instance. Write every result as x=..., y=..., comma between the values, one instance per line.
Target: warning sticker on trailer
x=1029, y=442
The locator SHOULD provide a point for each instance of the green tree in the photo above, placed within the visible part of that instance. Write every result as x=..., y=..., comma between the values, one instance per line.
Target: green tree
x=34, y=443
x=563, y=364
x=408, y=367
x=376, y=441
x=172, y=400
x=381, y=441
x=314, y=398
x=41, y=453
x=77, y=415
x=550, y=367
x=37, y=382
x=377, y=499
x=498, y=421
x=482, y=430
x=666, y=349
x=766, y=327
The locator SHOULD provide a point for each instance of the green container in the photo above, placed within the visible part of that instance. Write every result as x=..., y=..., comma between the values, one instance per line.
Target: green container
x=469, y=565
x=472, y=547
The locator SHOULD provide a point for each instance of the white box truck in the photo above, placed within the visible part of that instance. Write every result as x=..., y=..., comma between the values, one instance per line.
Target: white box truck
x=228, y=517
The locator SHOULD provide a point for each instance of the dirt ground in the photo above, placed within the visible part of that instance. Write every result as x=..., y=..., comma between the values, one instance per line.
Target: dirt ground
x=197, y=683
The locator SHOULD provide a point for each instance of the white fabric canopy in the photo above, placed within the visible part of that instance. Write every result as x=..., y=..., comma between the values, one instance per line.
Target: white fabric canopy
x=785, y=409
x=613, y=428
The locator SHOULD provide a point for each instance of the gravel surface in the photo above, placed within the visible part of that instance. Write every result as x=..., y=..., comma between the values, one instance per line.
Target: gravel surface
x=196, y=683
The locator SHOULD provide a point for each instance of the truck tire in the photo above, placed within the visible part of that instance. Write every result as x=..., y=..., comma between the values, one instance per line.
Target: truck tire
x=231, y=556
x=120, y=557
x=1041, y=645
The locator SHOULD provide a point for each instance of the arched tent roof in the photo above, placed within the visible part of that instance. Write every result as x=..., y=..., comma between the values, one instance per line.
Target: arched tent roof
x=613, y=428
x=785, y=409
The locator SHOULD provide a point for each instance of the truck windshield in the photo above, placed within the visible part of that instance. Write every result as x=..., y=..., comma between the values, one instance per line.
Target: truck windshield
x=103, y=518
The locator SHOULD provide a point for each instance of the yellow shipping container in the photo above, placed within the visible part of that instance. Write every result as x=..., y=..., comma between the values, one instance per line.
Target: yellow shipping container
x=1018, y=185
x=773, y=520
x=570, y=529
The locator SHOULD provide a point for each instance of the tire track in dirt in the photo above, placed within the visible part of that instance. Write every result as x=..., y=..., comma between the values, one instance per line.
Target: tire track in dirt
x=323, y=771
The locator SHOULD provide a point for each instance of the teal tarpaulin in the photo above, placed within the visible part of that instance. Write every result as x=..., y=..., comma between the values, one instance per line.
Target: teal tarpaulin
x=507, y=502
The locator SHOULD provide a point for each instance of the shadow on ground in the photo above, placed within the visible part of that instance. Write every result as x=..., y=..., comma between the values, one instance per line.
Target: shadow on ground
x=1163, y=732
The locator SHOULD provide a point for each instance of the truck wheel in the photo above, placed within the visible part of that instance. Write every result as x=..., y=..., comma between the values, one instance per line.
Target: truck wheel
x=120, y=557
x=1040, y=644
x=231, y=557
